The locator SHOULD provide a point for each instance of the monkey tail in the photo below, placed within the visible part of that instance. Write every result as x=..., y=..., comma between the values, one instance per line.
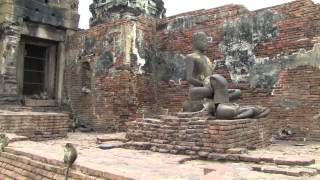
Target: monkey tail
x=66, y=175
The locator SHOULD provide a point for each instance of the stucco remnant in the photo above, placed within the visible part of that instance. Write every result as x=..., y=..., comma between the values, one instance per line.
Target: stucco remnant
x=240, y=39
x=104, y=10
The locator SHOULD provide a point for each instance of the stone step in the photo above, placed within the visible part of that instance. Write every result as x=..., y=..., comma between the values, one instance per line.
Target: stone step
x=112, y=137
x=138, y=145
x=15, y=138
x=39, y=103
x=278, y=160
x=111, y=145
x=315, y=138
x=289, y=171
x=25, y=164
x=15, y=108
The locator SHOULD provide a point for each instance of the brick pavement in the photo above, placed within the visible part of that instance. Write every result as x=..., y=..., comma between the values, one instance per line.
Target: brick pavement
x=150, y=165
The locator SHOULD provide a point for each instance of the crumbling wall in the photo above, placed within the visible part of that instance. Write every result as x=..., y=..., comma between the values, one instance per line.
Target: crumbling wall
x=296, y=100
x=108, y=10
x=251, y=46
x=121, y=88
x=252, y=49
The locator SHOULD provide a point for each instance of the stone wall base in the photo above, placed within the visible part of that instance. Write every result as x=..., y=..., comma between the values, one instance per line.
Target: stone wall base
x=35, y=125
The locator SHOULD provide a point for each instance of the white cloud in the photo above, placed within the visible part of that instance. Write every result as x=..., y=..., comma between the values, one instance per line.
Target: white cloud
x=180, y=6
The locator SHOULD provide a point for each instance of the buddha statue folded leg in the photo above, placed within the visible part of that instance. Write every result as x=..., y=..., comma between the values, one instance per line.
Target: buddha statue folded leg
x=200, y=99
x=199, y=107
x=234, y=94
x=264, y=113
x=200, y=93
x=231, y=111
x=252, y=112
x=193, y=106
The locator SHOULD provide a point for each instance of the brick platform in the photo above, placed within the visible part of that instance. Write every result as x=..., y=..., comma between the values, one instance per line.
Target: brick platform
x=35, y=125
x=44, y=160
x=198, y=136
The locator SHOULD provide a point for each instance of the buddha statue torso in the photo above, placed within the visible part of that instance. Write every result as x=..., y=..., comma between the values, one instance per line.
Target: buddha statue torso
x=202, y=66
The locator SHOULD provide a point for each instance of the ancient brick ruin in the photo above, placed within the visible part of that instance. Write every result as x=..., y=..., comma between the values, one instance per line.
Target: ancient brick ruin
x=30, y=31
x=271, y=54
x=33, y=37
x=126, y=73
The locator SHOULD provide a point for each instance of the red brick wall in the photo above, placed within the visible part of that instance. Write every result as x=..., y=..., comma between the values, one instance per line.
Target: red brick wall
x=300, y=89
x=116, y=96
x=113, y=101
x=301, y=23
x=180, y=39
x=297, y=29
x=171, y=96
x=294, y=102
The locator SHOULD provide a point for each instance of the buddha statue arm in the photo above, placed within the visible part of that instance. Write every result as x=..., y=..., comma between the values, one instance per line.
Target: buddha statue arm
x=190, y=68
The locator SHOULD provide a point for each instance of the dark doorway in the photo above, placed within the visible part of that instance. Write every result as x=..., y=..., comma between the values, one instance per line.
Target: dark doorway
x=34, y=69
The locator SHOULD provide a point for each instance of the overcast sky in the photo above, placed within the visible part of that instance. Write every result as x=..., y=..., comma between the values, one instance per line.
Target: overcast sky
x=179, y=6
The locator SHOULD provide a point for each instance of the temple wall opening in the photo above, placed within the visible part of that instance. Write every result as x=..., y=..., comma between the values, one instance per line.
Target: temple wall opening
x=33, y=36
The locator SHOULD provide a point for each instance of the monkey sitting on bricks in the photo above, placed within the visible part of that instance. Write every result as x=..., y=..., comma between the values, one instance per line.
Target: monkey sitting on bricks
x=70, y=156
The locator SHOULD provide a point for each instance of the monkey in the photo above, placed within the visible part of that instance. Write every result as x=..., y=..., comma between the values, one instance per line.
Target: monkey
x=4, y=141
x=74, y=124
x=70, y=156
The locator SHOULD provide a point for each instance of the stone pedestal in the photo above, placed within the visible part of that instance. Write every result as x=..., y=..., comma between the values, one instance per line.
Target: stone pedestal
x=199, y=135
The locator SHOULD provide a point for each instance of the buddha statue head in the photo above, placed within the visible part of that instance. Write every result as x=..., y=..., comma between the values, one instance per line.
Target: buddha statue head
x=200, y=41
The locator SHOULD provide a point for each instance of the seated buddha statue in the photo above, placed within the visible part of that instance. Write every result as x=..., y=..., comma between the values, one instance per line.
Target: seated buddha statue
x=208, y=91
x=199, y=68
